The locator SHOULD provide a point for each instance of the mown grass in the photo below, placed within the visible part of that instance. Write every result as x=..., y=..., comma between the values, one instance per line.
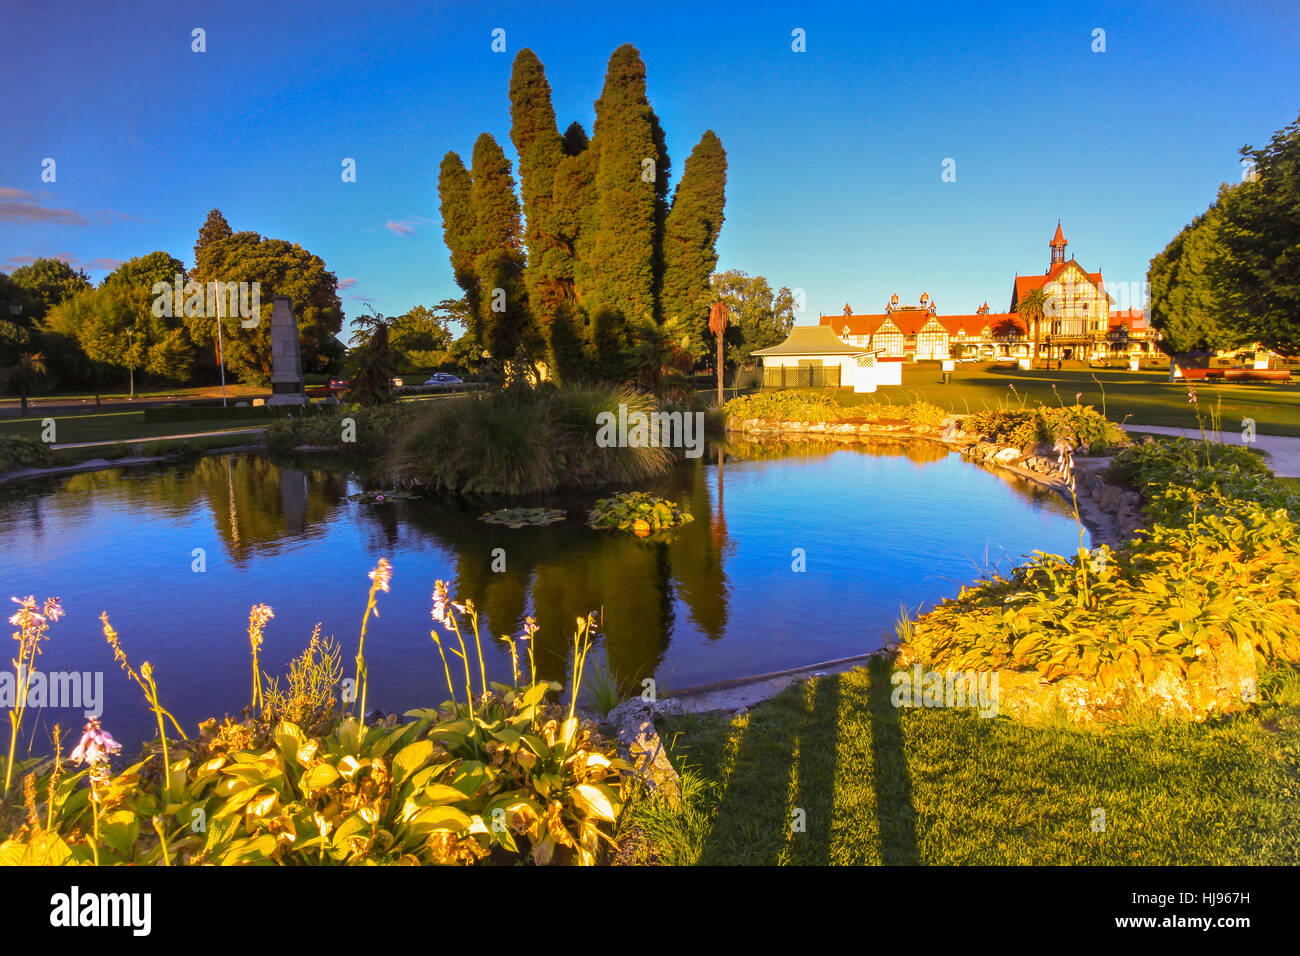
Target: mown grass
x=883, y=786
x=1145, y=398
x=110, y=426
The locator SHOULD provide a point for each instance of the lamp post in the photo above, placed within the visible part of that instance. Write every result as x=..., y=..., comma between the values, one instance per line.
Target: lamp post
x=130, y=359
x=16, y=310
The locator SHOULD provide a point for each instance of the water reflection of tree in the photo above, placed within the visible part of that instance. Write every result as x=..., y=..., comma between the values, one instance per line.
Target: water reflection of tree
x=255, y=504
x=919, y=452
x=561, y=572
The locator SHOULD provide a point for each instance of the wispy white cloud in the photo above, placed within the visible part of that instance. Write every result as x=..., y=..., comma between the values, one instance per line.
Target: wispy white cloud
x=408, y=226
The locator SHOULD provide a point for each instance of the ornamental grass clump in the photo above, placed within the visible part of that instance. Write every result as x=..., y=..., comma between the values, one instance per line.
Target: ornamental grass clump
x=506, y=774
x=521, y=441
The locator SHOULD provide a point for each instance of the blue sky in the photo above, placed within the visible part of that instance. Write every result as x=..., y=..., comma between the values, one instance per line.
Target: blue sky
x=835, y=153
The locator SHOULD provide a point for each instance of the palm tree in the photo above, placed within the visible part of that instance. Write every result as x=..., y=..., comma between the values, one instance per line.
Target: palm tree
x=1032, y=308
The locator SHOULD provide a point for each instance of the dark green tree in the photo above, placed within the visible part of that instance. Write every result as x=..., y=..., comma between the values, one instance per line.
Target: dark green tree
x=691, y=233
x=504, y=318
x=540, y=149
x=214, y=229
x=571, y=357
x=280, y=268
x=1258, y=265
x=1186, y=302
x=456, y=202
x=619, y=253
x=609, y=334
x=372, y=362
x=757, y=317
x=50, y=281
x=575, y=139
x=422, y=337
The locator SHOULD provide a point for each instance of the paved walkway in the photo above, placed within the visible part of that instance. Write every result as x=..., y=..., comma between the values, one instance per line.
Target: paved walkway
x=1283, y=452
x=158, y=438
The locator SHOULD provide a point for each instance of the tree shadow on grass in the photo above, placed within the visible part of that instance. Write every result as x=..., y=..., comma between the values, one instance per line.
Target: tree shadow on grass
x=807, y=771
x=895, y=814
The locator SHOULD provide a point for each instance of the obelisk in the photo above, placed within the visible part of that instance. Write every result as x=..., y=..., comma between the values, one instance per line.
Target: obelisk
x=286, y=356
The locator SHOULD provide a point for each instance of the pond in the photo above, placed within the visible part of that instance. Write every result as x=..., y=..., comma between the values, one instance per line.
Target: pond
x=798, y=554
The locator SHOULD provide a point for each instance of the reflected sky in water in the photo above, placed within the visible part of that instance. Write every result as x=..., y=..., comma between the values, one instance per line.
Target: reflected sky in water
x=879, y=526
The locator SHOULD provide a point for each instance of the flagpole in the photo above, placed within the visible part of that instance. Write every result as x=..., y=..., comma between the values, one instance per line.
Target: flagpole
x=221, y=358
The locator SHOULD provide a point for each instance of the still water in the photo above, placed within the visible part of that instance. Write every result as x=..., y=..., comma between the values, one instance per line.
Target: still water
x=873, y=527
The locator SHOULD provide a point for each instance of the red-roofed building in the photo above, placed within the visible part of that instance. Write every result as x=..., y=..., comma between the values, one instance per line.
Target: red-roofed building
x=1077, y=322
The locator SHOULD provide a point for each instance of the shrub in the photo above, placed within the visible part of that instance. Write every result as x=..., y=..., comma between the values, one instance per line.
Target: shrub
x=18, y=453
x=372, y=430
x=795, y=406
x=1214, y=567
x=788, y=407
x=1079, y=424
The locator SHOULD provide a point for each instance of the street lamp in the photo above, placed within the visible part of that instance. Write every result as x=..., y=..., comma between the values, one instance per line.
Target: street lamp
x=16, y=310
x=130, y=359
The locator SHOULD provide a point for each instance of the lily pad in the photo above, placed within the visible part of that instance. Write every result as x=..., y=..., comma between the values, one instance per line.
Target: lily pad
x=523, y=517
x=637, y=512
x=381, y=497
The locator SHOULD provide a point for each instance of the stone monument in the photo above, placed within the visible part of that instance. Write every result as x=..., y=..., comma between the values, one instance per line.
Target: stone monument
x=286, y=356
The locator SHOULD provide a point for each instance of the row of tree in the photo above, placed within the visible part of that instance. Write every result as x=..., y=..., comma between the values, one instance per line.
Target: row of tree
x=595, y=271
x=58, y=330
x=1231, y=278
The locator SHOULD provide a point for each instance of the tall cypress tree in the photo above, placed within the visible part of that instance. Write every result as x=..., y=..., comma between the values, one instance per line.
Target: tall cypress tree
x=455, y=202
x=662, y=170
x=498, y=253
x=540, y=148
x=571, y=359
x=691, y=234
x=619, y=255
x=575, y=139
x=573, y=210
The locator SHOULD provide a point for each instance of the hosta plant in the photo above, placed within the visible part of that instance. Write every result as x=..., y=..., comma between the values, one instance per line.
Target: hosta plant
x=497, y=773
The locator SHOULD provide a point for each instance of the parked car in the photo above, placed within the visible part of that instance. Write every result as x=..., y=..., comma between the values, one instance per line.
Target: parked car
x=444, y=380
x=395, y=383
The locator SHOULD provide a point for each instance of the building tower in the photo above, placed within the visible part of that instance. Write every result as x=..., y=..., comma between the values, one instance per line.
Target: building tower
x=1058, y=245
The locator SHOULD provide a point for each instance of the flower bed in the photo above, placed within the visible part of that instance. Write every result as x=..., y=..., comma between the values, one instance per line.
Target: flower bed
x=496, y=773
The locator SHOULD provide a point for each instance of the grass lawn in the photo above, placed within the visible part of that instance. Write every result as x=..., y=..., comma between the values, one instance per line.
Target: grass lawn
x=879, y=785
x=233, y=391
x=1145, y=398
x=113, y=426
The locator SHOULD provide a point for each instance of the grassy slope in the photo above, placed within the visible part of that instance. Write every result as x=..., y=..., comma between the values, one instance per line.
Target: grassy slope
x=880, y=785
x=1140, y=397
